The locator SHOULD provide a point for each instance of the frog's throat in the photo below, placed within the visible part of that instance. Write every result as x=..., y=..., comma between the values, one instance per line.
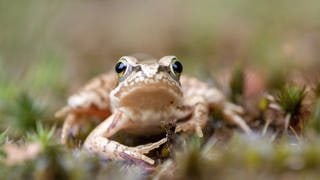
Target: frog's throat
x=147, y=93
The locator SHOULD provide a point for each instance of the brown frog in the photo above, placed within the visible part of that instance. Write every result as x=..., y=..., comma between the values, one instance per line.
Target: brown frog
x=139, y=98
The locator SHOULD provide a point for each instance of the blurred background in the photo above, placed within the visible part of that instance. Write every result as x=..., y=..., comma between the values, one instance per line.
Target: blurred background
x=49, y=48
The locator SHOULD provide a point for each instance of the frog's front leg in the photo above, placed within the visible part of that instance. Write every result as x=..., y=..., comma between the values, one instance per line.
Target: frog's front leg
x=199, y=117
x=98, y=142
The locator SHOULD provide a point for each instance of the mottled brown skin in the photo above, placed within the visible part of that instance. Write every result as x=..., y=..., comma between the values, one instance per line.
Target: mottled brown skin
x=141, y=100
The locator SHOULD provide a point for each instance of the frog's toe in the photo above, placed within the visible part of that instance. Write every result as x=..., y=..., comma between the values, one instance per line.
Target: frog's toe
x=234, y=118
x=70, y=136
x=136, y=157
x=136, y=154
x=70, y=129
x=73, y=133
x=146, y=148
x=141, y=163
x=189, y=127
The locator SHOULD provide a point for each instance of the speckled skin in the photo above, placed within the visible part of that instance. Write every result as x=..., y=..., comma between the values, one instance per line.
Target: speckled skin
x=140, y=101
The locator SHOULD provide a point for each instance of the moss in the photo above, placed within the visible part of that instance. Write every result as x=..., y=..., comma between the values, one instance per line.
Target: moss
x=42, y=135
x=290, y=99
x=24, y=112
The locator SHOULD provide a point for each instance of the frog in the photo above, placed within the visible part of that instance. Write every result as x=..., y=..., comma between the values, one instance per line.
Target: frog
x=140, y=97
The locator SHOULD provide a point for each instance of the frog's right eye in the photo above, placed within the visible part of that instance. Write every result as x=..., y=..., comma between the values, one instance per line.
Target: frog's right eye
x=121, y=67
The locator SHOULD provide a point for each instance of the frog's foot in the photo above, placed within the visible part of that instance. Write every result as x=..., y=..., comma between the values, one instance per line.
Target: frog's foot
x=70, y=129
x=114, y=150
x=142, y=149
x=190, y=127
x=198, y=120
x=233, y=107
x=98, y=142
x=146, y=148
x=231, y=112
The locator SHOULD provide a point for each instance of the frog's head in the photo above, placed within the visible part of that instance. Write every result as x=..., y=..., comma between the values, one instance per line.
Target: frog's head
x=147, y=84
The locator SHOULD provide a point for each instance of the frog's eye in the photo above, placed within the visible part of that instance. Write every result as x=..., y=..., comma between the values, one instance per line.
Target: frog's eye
x=176, y=67
x=121, y=67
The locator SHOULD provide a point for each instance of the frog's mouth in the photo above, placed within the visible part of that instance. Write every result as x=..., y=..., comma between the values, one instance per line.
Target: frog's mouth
x=151, y=96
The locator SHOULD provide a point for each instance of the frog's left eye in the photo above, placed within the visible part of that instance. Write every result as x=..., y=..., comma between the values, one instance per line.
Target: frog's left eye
x=121, y=67
x=176, y=67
